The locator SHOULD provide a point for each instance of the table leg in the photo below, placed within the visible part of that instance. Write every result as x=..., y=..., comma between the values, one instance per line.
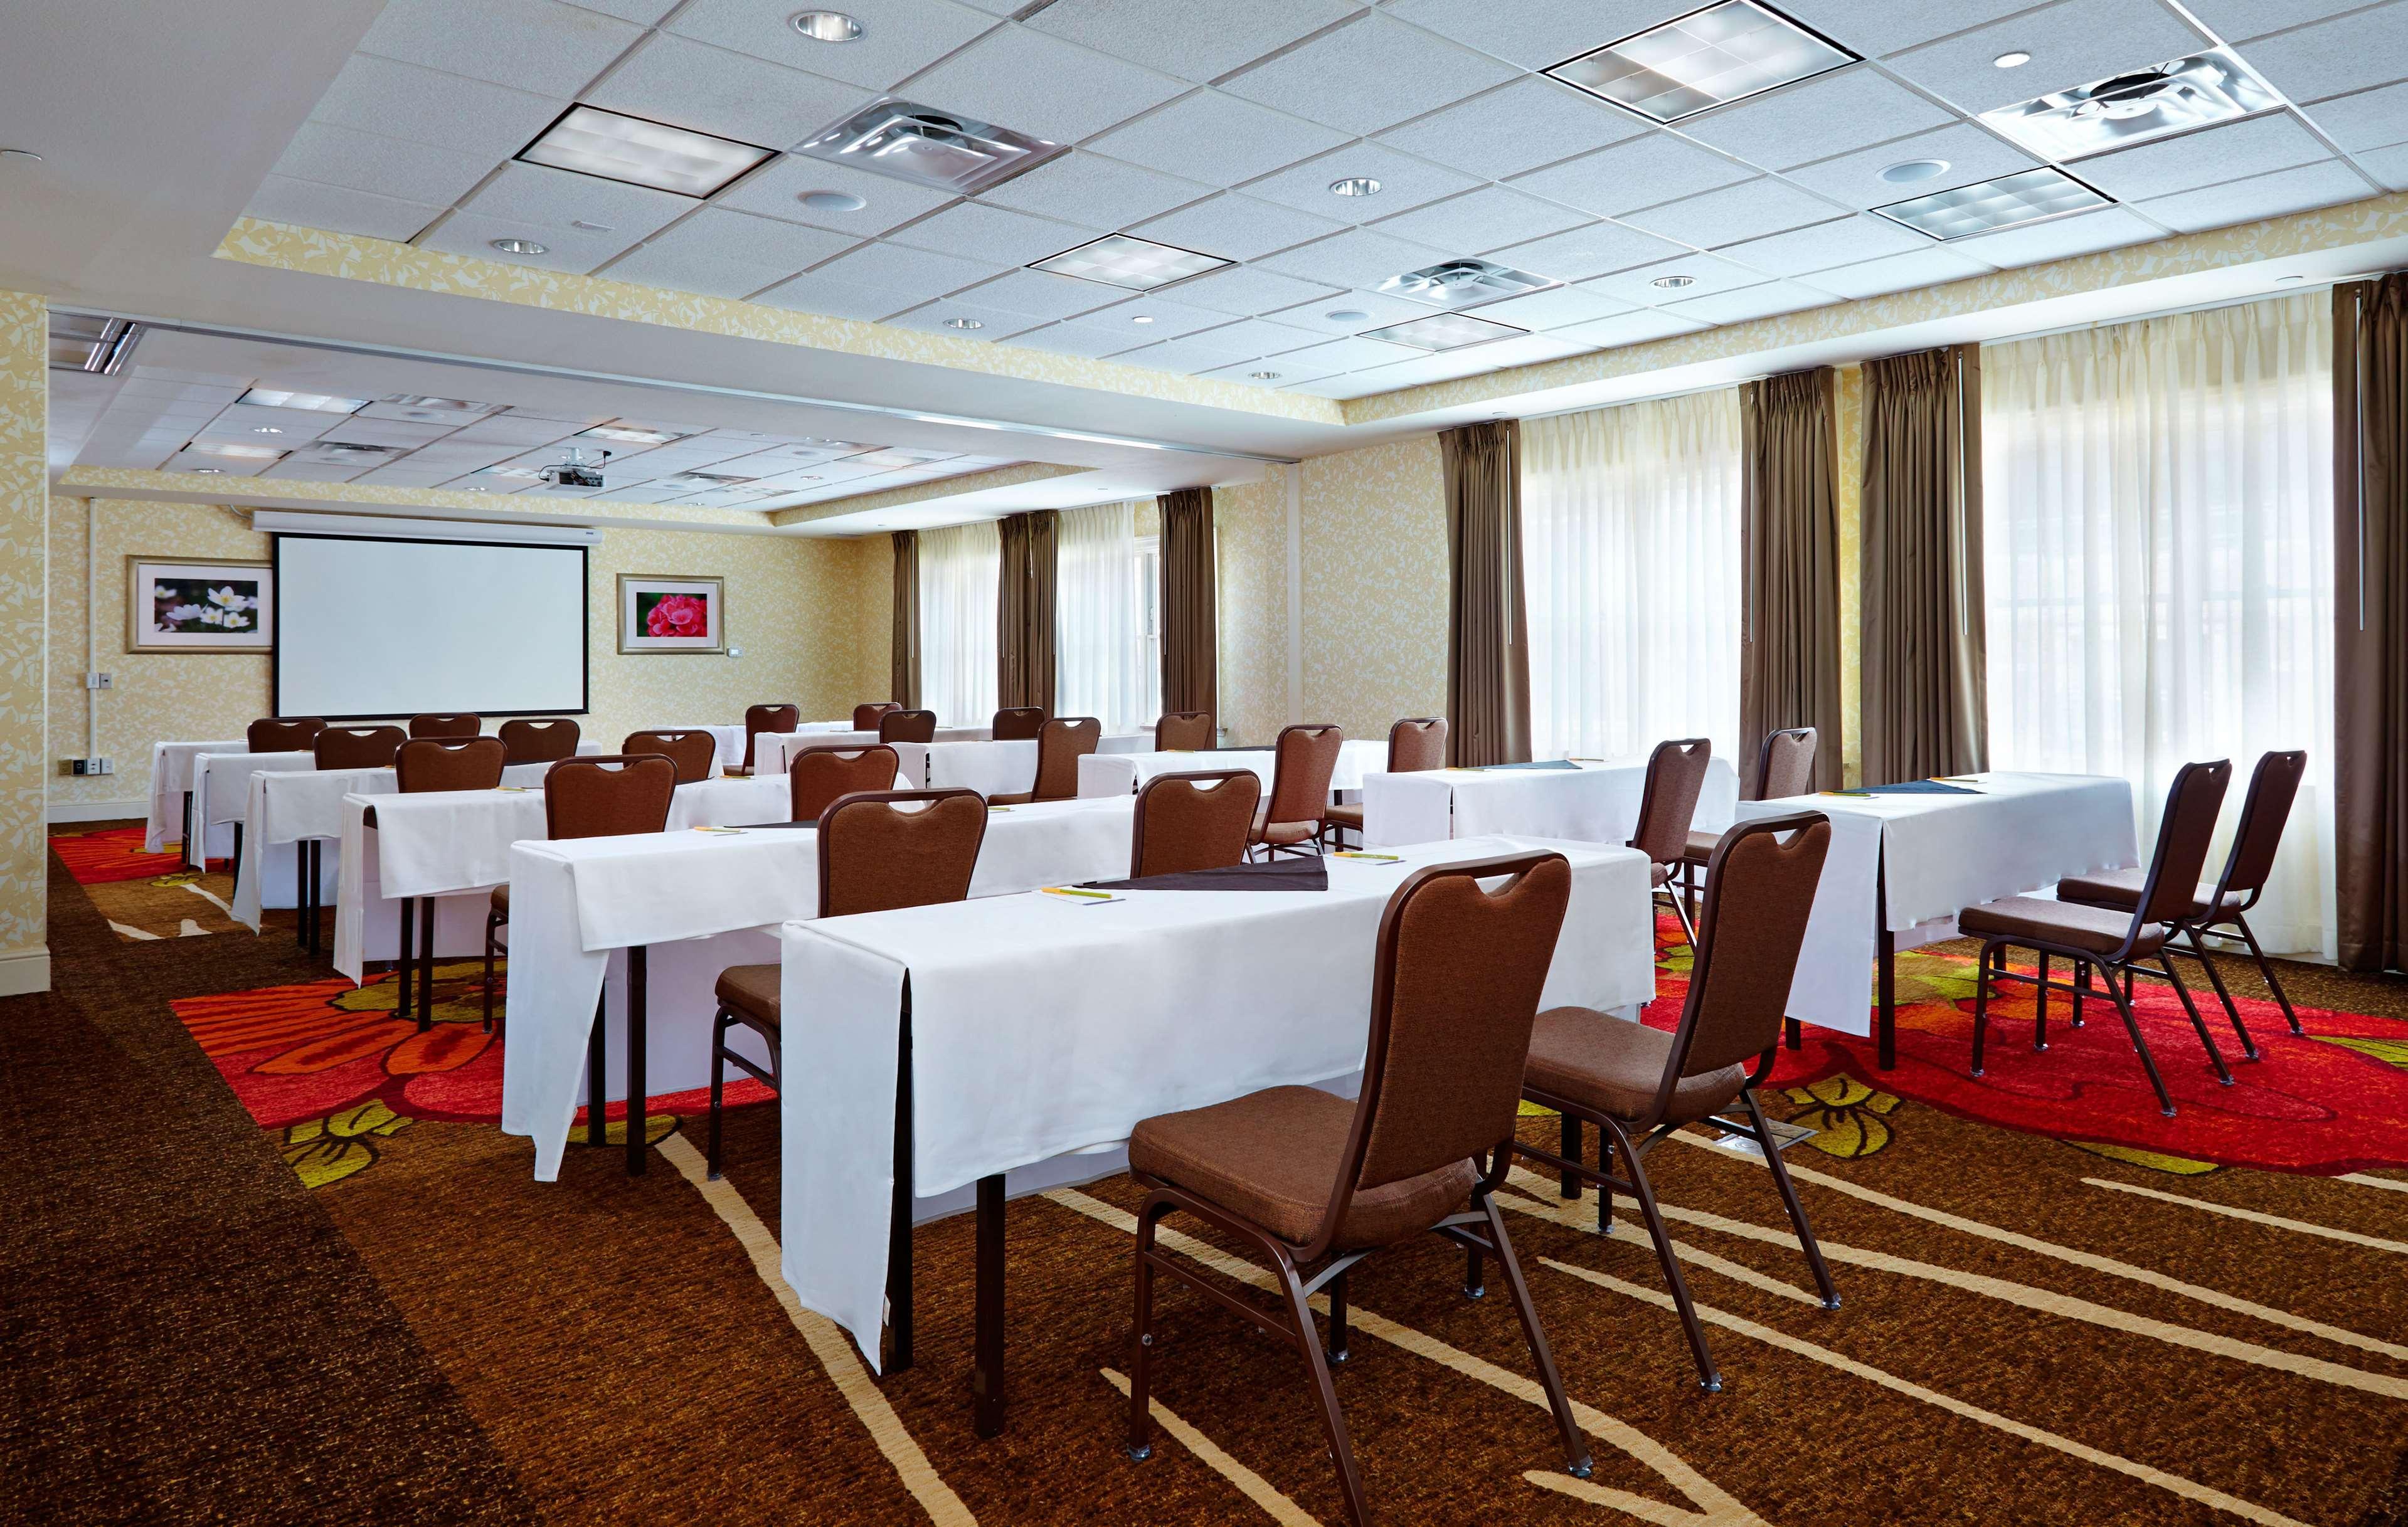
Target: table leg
x=317, y=896
x=636, y=1101
x=238, y=853
x=594, y=1081
x=1885, y=971
x=301, y=889
x=986, y=1374
x=425, y=964
x=186, y=845
x=898, y=1229
x=401, y=965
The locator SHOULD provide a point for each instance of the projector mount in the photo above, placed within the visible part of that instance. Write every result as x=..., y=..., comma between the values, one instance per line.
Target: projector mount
x=575, y=471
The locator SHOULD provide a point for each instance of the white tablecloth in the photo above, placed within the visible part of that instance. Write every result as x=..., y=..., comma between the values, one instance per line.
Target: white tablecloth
x=730, y=740
x=171, y=776
x=776, y=750
x=1042, y=1027
x=1591, y=802
x=1121, y=774
x=1940, y=854
x=990, y=769
x=574, y=902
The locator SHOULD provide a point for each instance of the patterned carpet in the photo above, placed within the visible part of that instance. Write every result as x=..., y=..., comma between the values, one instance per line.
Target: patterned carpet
x=274, y=1264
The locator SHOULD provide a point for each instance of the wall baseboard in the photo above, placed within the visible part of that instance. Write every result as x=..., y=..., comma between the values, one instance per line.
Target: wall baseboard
x=98, y=810
x=23, y=972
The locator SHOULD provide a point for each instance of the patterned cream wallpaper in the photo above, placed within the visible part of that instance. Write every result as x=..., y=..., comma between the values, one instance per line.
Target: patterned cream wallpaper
x=1375, y=586
x=1250, y=543
x=1848, y=429
x=25, y=425
x=102, y=482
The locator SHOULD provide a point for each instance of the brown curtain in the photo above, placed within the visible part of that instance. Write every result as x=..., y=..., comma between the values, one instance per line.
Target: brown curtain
x=1925, y=682
x=2371, y=620
x=1789, y=551
x=906, y=680
x=1487, y=645
x=1023, y=610
x=1190, y=628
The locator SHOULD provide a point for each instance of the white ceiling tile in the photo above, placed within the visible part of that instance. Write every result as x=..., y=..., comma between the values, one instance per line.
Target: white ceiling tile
x=1350, y=354
x=2388, y=165
x=1247, y=290
x=569, y=250
x=467, y=116
x=1584, y=252
x=1258, y=336
x=1042, y=86
x=720, y=233
x=537, y=197
x=2060, y=238
x=307, y=472
x=1378, y=311
x=383, y=166
x=2071, y=43
x=2238, y=20
x=692, y=85
x=1552, y=309
x=1815, y=119
x=1184, y=356
x=1428, y=368
x=993, y=235
x=513, y=428
x=1070, y=339
x=1753, y=302
x=1236, y=227
x=1195, y=39
x=777, y=189
x=1844, y=241
x=1357, y=257
x=1267, y=374
x=2207, y=157
x=1483, y=220
x=1879, y=27
x=996, y=322
x=1525, y=124
x=1405, y=181
x=1368, y=74
x=898, y=37
x=1657, y=167
x=1733, y=213
x=2262, y=196
x=293, y=423
x=2335, y=57
x=2375, y=118
x=691, y=270
x=1529, y=350
x=1042, y=294
x=1163, y=320
x=1093, y=192
x=1629, y=329
x=920, y=273
x=306, y=203
x=232, y=466
x=1535, y=33
x=1707, y=275
x=1217, y=139
x=1355, y=386
x=1855, y=179
x=641, y=12
x=1930, y=267
x=539, y=45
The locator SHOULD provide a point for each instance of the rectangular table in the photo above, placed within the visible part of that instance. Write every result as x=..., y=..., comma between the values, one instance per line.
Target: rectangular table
x=1902, y=866
x=171, y=796
x=1591, y=802
x=690, y=898
x=952, y=1045
x=776, y=750
x=1108, y=772
x=729, y=738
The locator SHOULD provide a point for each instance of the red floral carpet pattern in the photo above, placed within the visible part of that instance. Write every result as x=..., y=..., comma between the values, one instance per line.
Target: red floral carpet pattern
x=115, y=854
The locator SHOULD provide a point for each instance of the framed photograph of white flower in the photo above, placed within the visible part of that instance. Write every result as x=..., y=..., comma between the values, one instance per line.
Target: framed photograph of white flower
x=198, y=606
x=671, y=614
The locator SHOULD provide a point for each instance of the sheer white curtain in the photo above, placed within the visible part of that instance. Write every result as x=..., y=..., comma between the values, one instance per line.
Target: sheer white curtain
x=958, y=567
x=1102, y=664
x=1630, y=561
x=2158, y=546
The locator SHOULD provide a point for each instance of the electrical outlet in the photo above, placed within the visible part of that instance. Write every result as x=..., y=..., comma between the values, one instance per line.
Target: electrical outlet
x=101, y=766
x=99, y=681
x=86, y=766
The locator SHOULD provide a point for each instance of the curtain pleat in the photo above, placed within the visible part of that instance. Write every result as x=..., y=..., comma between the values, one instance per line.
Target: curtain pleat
x=2371, y=623
x=1925, y=667
x=1101, y=658
x=1024, y=610
x=905, y=647
x=1190, y=642
x=957, y=622
x=1789, y=642
x=1488, y=647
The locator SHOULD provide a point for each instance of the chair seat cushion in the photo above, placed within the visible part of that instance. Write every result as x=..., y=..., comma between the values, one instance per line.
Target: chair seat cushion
x=1659, y=875
x=1017, y=797
x=1271, y=1157
x=1614, y=1067
x=1701, y=848
x=2122, y=888
x=1344, y=816
x=502, y=901
x=2094, y=930
x=752, y=992
x=1267, y=831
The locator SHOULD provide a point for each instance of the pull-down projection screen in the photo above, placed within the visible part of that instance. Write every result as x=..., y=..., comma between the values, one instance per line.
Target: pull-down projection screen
x=370, y=628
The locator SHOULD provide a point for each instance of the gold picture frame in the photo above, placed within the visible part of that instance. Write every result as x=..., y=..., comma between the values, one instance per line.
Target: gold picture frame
x=199, y=604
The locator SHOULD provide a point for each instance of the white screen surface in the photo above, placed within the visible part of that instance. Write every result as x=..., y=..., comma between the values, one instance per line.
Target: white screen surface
x=370, y=628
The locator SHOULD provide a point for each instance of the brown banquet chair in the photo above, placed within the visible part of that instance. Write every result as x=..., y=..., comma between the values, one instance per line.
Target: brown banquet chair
x=1302, y=761
x=434, y=724
x=817, y=776
x=759, y=719
x=1414, y=745
x=908, y=726
x=286, y=734
x=357, y=746
x=1060, y=743
x=692, y=751
x=878, y=851
x=1638, y=1084
x=424, y=765
x=1784, y=766
x=526, y=740
x=865, y=716
x=1310, y=1183
x=1192, y=821
x=1668, y=804
x=1018, y=723
x=1183, y=732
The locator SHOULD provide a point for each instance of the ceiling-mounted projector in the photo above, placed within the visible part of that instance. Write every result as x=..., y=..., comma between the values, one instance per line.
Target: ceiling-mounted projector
x=576, y=471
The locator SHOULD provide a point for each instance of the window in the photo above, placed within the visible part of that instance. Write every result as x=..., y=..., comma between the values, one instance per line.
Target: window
x=1107, y=634
x=959, y=568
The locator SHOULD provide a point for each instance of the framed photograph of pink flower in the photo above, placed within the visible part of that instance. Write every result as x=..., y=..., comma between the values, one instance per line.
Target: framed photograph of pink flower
x=198, y=606
x=671, y=614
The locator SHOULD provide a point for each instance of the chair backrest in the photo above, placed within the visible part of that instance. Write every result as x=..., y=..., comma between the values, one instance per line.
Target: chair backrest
x=357, y=746
x=2183, y=834
x=865, y=716
x=433, y=724
x=1759, y=889
x=1454, y=990
x=881, y=850
x=691, y=750
x=525, y=740
x=608, y=796
x=1192, y=821
x=759, y=719
x=1785, y=766
x=290, y=735
x=1416, y=743
x=908, y=726
x=1060, y=743
x=1302, y=763
x=2264, y=811
x=818, y=775
x=1676, y=772
x=1183, y=732
x=1017, y=723
x=448, y=763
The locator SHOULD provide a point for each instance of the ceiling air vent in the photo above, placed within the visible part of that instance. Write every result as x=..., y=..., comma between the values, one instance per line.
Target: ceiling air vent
x=2128, y=108
x=1460, y=283
x=86, y=342
x=906, y=141
x=702, y=481
x=345, y=453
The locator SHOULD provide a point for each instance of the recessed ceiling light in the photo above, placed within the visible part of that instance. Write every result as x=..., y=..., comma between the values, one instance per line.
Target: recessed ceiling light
x=832, y=201
x=24, y=156
x=318, y=402
x=422, y=405
x=1709, y=58
x=1673, y=284
x=1908, y=171
x=1346, y=315
x=1445, y=330
x=266, y=429
x=1123, y=260
x=907, y=141
x=521, y=246
x=1460, y=283
x=224, y=447
x=1142, y=317
x=637, y=152
x=963, y=323
x=2013, y=59
x=633, y=435
x=1987, y=205
x=211, y=471
x=1355, y=185
x=827, y=26
x=2135, y=107
x=1273, y=376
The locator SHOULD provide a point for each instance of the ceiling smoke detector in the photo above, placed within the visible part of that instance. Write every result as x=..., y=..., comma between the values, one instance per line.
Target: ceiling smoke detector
x=2128, y=109
x=1460, y=283
x=575, y=471
x=906, y=141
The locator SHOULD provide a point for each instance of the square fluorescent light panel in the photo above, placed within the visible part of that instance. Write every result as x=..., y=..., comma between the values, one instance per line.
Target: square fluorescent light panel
x=2128, y=108
x=1709, y=58
x=1460, y=283
x=906, y=141
x=1987, y=205
x=319, y=401
x=1445, y=331
x=592, y=141
x=1137, y=264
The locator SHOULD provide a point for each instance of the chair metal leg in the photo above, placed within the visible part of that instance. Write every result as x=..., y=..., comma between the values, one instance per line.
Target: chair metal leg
x=425, y=964
x=2080, y=985
x=1574, y=1149
x=594, y=1106
x=1333, y=1423
x=1981, y=1005
x=1576, y=1454
x=1789, y=1200
x=1688, y=928
x=719, y=1023
x=1793, y=1034
x=2123, y=995
x=2165, y=961
x=1334, y=1345
x=402, y=971
x=301, y=889
x=1140, y=1444
x=1709, y=1378
x=2039, y=1006
x=2216, y=979
x=492, y=922
x=2265, y=969
x=1605, y=1184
